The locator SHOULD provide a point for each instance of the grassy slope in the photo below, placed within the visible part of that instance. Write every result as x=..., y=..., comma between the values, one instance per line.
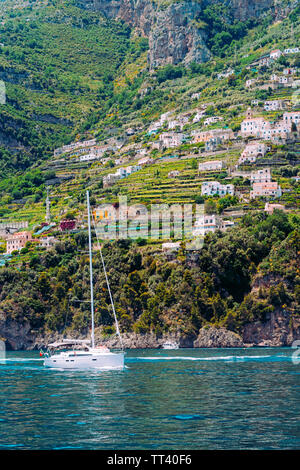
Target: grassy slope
x=53, y=61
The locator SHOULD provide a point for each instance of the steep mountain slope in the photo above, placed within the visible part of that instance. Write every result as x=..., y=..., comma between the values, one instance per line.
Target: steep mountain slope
x=55, y=61
x=182, y=31
x=58, y=59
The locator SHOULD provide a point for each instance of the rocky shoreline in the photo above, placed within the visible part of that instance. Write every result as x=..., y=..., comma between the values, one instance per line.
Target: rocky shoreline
x=280, y=330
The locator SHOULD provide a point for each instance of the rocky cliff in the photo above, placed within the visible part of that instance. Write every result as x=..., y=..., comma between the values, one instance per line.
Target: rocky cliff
x=173, y=28
x=281, y=329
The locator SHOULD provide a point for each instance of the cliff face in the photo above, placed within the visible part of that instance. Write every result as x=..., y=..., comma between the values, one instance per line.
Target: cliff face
x=173, y=32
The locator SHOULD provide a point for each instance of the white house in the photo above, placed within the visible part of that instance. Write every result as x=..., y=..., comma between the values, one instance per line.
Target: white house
x=171, y=139
x=274, y=105
x=290, y=71
x=212, y=120
x=47, y=242
x=207, y=223
x=145, y=161
x=211, y=188
x=199, y=115
x=276, y=54
x=210, y=223
x=173, y=174
x=261, y=176
x=265, y=61
x=250, y=83
x=165, y=117
x=211, y=165
x=292, y=50
x=170, y=246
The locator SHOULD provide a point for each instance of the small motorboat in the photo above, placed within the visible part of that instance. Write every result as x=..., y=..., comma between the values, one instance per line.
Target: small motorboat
x=170, y=345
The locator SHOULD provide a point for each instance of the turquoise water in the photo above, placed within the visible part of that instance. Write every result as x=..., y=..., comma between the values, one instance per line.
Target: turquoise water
x=186, y=399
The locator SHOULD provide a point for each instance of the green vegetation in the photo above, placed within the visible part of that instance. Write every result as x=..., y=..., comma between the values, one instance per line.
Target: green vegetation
x=153, y=294
x=58, y=63
x=71, y=75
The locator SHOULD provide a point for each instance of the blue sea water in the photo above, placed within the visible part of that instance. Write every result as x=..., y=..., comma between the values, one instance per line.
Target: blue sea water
x=184, y=399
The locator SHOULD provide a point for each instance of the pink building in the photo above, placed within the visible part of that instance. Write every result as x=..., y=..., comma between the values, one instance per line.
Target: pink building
x=17, y=241
x=222, y=134
x=253, y=151
x=271, y=189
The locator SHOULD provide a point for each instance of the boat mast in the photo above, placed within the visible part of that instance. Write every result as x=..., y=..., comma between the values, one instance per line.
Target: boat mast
x=91, y=269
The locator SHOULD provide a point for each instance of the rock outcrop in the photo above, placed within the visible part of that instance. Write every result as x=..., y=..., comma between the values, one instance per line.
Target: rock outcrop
x=149, y=340
x=16, y=336
x=280, y=330
x=175, y=33
x=210, y=337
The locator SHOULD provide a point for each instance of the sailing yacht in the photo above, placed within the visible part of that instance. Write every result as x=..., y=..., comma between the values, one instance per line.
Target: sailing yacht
x=83, y=354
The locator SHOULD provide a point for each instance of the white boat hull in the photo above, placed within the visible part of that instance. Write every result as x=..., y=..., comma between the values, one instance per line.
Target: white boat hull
x=102, y=361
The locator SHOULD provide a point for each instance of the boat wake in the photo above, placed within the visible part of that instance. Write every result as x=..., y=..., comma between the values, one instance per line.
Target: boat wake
x=266, y=358
x=20, y=359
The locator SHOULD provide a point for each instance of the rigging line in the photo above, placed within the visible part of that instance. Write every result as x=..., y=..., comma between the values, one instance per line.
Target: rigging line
x=108, y=286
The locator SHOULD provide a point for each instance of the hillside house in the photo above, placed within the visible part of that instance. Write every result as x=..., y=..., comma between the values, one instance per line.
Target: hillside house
x=199, y=115
x=213, y=165
x=269, y=208
x=207, y=223
x=212, y=144
x=253, y=151
x=173, y=174
x=261, y=176
x=290, y=71
x=165, y=117
x=283, y=80
x=260, y=128
x=250, y=83
x=270, y=189
x=212, y=120
x=226, y=74
x=74, y=146
x=171, y=139
x=274, y=105
x=291, y=117
x=145, y=161
x=265, y=61
x=17, y=241
x=170, y=249
x=292, y=50
x=275, y=54
x=205, y=136
x=210, y=223
x=47, y=242
x=212, y=188
x=110, y=179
